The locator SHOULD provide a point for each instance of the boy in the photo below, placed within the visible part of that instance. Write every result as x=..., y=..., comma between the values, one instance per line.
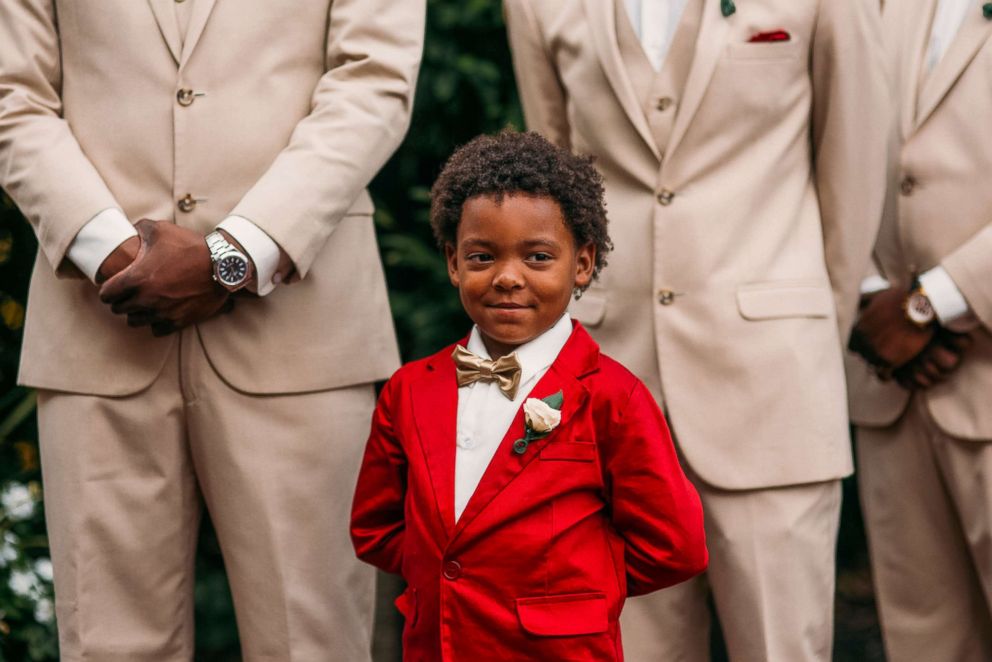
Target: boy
x=520, y=530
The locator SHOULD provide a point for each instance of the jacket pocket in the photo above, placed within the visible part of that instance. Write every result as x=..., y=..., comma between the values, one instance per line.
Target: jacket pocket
x=777, y=300
x=574, y=451
x=785, y=50
x=564, y=615
x=406, y=603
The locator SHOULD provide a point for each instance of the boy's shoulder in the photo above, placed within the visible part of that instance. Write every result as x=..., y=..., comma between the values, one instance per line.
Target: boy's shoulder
x=613, y=378
x=422, y=367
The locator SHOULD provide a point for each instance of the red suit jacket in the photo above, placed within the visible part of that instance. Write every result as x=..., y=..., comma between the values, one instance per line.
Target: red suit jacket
x=552, y=540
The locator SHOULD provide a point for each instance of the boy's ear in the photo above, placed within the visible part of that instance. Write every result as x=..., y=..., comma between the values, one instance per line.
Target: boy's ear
x=451, y=257
x=585, y=264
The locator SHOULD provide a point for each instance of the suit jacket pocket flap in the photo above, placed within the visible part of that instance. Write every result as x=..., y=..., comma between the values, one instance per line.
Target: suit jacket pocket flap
x=576, y=451
x=563, y=615
x=765, y=301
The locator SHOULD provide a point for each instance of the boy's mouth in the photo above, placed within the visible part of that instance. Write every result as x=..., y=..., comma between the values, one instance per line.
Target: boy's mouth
x=508, y=305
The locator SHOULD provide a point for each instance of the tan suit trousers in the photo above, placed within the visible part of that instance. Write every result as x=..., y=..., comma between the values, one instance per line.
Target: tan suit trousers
x=124, y=482
x=772, y=555
x=927, y=501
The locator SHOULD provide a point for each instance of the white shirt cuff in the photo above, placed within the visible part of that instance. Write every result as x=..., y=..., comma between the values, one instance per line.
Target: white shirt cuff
x=873, y=284
x=262, y=250
x=101, y=235
x=945, y=297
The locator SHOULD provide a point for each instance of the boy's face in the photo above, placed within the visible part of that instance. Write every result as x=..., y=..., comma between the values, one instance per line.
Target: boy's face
x=515, y=265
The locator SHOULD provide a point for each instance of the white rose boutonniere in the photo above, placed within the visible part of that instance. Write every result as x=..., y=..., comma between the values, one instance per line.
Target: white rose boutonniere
x=541, y=416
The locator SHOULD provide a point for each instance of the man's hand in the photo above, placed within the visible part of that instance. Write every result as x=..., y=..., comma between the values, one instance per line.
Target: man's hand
x=884, y=336
x=935, y=363
x=120, y=259
x=170, y=283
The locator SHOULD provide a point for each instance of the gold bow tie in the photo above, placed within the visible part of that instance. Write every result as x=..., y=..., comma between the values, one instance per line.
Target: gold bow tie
x=505, y=370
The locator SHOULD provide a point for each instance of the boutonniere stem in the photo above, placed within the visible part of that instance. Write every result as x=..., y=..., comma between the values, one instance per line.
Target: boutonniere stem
x=727, y=7
x=540, y=418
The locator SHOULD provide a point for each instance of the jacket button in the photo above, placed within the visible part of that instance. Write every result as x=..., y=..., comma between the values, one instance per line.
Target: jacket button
x=664, y=103
x=185, y=97
x=907, y=185
x=187, y=203
x=452, y=570
x=666, y=297
x=666, y=197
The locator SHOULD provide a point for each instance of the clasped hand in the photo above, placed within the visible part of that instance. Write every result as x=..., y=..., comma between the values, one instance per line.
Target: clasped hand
x=898, y=349
x=168, y=285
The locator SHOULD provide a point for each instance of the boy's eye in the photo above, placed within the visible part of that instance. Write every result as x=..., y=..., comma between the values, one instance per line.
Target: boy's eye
x=541, y=257
x=479, y=257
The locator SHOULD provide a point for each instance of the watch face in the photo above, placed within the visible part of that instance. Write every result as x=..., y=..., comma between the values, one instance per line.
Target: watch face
x=919, y=309
x=232, y=270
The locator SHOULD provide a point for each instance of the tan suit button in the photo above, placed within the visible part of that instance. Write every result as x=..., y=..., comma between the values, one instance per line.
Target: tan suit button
x=666, y=297
x=907, y=185
x=664, y=103
x=187, y=203
x=185, y=97
x=666, y=197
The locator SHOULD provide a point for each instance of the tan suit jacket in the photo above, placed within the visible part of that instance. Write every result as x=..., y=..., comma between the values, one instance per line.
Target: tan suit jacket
x=939, y=206
x=297, y=106
x=739, y=250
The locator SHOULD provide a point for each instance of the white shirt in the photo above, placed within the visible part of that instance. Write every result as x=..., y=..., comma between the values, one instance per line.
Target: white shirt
x=655, y=22
x=103, y=233
x=485, y=414
x=948, y=303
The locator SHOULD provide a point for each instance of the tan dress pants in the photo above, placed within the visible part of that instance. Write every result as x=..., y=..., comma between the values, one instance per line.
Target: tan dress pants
x=927, y=501
x=124, y=482
x=771, y=572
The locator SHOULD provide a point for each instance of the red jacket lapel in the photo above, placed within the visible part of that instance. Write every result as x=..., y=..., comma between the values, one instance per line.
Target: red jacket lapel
x=577, y=358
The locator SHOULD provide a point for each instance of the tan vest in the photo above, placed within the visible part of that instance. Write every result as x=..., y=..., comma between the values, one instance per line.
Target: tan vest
x=659, y=91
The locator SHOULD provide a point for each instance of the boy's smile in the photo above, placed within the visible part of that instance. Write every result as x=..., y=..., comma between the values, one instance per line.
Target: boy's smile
x=515, y=265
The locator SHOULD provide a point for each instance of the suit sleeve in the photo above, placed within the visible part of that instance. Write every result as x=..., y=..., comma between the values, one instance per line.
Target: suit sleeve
x=541, y=92
x=851, y=116
x=377, y=512
x=42, y=167
x=971, y=270
x=360, y=111
x=655, y=508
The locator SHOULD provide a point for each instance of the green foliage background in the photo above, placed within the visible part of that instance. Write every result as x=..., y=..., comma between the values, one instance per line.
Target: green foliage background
x=466, y=87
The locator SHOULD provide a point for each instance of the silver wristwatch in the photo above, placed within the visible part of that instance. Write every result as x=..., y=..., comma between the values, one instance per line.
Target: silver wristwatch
x=232, y=268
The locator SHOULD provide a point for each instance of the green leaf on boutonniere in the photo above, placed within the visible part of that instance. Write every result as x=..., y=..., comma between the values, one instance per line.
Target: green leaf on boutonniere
x=541, y=417
x=727, y=7
x=987, y=11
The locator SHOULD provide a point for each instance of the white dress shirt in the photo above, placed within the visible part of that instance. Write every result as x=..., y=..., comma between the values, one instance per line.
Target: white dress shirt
x=110, y=228
x=485, y=414
x=948, y=303
x=655, y=22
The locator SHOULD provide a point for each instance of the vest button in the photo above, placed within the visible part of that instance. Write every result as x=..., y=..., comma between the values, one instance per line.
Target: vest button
x=664, y=103
x=907, y=185
x=665, y=197
x=666, y=297
x=452, y=570
x=187, y=203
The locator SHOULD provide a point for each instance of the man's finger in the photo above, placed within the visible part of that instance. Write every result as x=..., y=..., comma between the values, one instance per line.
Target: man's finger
x=140, y=318
x=921, y=379
x=958, y=342
x=162, y=328
x=945, y=359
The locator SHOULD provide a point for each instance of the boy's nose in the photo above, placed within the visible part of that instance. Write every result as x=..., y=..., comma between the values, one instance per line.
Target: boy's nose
x=507, y=278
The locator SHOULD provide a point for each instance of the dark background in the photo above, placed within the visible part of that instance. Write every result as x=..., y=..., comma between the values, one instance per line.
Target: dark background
x=466, y=87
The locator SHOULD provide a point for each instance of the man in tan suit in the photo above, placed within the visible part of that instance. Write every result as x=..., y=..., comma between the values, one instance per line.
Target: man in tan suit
x=925, y=438
x=743, y=146
x=266, y=120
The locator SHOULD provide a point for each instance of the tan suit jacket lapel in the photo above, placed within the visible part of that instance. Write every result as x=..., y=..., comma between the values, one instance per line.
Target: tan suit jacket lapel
x=197, y=21
x=165, y=16
x=912, y=57
x=713, y=33
x=974, y=32
x=602, y=24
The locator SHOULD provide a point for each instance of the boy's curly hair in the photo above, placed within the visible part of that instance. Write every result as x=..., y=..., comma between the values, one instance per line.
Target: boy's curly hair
x=512, y=162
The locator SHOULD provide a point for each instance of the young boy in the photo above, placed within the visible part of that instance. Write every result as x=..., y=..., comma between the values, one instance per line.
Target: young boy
x=521, y=482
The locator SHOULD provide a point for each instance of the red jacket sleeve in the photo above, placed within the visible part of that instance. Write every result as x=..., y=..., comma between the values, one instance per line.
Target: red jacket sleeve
x=655, y=508
x=377, y=512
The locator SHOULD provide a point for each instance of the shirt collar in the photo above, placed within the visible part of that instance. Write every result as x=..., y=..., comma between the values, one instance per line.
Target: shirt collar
x=534, y=356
